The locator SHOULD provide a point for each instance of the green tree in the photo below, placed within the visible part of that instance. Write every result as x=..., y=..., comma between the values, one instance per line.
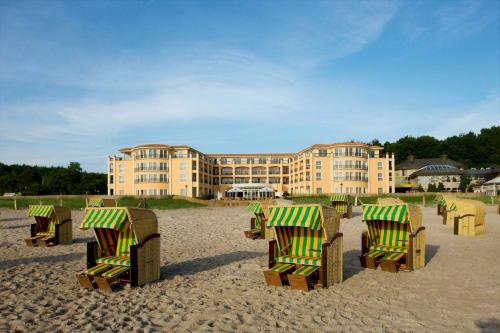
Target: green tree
x=440, y=187
x=431, y=188
x=464, y=184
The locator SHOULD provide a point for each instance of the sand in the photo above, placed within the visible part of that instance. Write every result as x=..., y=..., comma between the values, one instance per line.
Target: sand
x=211, y=280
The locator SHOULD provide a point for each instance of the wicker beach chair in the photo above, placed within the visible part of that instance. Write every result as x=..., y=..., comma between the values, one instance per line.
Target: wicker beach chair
x=126, y=250
x=395, y=238
x=52, y=225
x=307, y=249
x=99, y=202
x=441, y=205
x=257, y=223
x=342, y=204
x=448, y=210
x=469, y=217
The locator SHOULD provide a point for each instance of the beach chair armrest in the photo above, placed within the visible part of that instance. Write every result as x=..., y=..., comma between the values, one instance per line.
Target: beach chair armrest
x=330, y=242
x=414, y=234
x=252, y=223
x=65, y=221
x=92, y=253
x=272, y=253
x=33, y=229
x=364, y=242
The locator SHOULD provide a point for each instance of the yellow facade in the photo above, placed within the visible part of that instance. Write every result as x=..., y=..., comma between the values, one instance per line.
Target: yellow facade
x=157, y=170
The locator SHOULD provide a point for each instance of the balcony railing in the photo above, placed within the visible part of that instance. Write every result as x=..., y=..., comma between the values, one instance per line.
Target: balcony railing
x=150, y=169
x=352, y=179
x=142, y=181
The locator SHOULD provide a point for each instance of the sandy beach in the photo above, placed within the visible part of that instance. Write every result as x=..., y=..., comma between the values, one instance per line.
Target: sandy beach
x=211, y=280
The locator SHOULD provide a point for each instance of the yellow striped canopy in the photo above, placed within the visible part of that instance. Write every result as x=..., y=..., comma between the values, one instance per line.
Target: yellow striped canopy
x=254, y=207
x=339, y=197
x=396, y=213
x=306, y=216
x=108, y=218
x=95, y=202
x=41, y=210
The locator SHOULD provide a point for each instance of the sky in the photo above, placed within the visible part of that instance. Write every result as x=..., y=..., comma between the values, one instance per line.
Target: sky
x=81, y=79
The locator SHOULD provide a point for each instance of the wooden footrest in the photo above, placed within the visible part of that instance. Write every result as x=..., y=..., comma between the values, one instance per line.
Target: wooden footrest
x=107, y=278
x=392, y=261
x=32, y=240
x=86, y=278
x=253, y=234
x=45, y=241
x=300, y=279
x=276, y=275
x=371, y=259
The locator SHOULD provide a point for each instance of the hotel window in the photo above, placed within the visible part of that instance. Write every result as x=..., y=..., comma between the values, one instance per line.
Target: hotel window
x=152, y=153
x=163, y=192
x=121, y=179
x=357, y=152
x=194, y=177
x=163, y=153
x=338, y=151
x=111, y=167
x=153, y=178
x=262, y=160
x=237, y=161
x=183, y=177
x=338, y=190
x=348, y=151
x=338, y=164
x=121, y=167
x=163, y=177
x=318, y=164
x=318, y=175
x=380, y=165
x=182, y=165
x=348, y=164
x=319, y=190
x=223, y=160
x=322, y=152
x=111, y=179
x=380, y=190
x=380, y=176
x=142, y=154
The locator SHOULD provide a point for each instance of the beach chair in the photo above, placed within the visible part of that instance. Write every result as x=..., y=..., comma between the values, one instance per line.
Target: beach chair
x=395, y=238
x=342, y=204
x=99, y=202
x=307, y=249
x=52, y=225
x=389, y=201
x=126, y=250
x=448, y=210
x=441, y=205
x=257, y=223
x=469, y=217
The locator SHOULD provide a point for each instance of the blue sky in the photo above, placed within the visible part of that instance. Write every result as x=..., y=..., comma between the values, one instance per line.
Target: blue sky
x=79, y=80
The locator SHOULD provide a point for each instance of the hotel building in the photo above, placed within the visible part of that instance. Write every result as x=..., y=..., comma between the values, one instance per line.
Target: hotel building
x=158, y=169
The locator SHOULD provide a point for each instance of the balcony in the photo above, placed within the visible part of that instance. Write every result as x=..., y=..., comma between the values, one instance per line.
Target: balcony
x=150, y=169
x=142, y=181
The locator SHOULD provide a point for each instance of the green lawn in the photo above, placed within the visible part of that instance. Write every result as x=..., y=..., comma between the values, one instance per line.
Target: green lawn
x=77, y=203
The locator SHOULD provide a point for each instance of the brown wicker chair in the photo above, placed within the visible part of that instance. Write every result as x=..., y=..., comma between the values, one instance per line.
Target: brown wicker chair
x=126, y=249
x=469, y=217
x=307, y=249
x=395, y=238
x=101, y=202
x=52, y=226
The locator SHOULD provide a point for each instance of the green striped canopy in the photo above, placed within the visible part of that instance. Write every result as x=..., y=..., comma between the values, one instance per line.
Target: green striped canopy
x=254, y=207
x=442, y=201
x=453, y=207
x=108, y=218
x=396, y=213
x=339, y=197
x=306, y=216
x=41, y=210
x=95, y=202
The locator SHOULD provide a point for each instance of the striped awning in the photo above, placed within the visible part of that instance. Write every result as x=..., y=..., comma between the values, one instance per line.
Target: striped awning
x=397, y=213
x=339, y=197
x=254, y=207
x=108, y=218
x=95, y=202
x=41, y=210
x=442, y=201
x=306, y=216
x=453, y=207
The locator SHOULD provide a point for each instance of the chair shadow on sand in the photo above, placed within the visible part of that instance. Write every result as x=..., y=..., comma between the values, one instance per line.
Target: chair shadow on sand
x=430, y=252
x=198, y=265
x=42, y=260
x=11, y=219
x=352, y=265
x=17, y=226
x=83, y=240
x=488, y=325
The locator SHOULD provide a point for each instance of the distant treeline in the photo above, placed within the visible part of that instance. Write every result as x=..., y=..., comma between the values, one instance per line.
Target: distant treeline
x=38, y=180
x=470, y=149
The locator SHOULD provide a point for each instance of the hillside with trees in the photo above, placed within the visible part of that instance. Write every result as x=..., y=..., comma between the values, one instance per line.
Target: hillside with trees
x=471, y=149
x=38, y=180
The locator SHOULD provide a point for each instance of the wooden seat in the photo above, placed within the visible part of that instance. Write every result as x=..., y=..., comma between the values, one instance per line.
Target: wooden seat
x=275, y=276
x=391, y=262
x=303, y=277
x=371, y=259
x=106, y=279
x=86, y=278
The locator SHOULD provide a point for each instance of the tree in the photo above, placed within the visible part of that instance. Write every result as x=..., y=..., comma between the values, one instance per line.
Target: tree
x=440, y=187
x=464, y=184
x=420, y=188
x=431, y=188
